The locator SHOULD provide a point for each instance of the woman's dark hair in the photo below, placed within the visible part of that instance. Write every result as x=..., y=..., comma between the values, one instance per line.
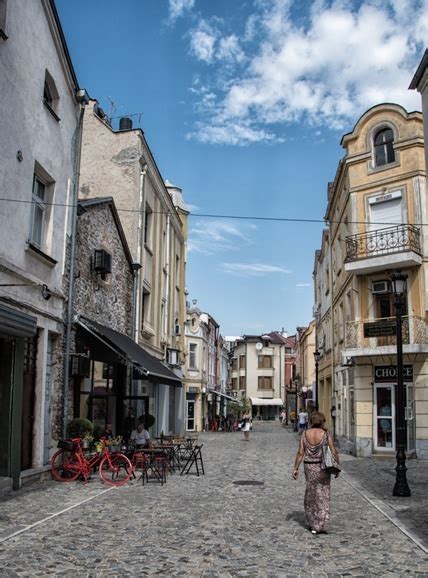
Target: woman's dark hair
x=317, y=419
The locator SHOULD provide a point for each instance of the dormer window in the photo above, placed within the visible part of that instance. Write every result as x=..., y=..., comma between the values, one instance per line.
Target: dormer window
x=383, y=143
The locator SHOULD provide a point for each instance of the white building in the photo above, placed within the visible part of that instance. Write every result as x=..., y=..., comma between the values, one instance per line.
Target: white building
x=39, y=139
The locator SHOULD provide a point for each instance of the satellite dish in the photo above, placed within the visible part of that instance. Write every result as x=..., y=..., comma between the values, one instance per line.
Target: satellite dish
x=259, y=346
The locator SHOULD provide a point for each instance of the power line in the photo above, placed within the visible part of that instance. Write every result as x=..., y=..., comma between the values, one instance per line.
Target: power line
x=225, y=216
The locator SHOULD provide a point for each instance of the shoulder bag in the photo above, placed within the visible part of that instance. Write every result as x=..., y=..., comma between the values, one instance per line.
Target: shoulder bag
x=328, y=463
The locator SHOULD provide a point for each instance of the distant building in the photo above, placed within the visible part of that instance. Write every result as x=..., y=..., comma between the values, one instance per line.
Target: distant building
x=258, y=372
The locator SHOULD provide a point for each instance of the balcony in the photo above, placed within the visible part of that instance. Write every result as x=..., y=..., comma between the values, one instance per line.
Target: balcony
x=394, y=247
x=415, y=338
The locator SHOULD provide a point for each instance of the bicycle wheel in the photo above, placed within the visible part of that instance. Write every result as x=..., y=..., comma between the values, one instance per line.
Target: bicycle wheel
x=66, y=466
x=115, y=470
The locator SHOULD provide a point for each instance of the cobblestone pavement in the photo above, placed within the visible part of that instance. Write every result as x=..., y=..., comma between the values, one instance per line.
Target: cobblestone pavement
x=208, y=526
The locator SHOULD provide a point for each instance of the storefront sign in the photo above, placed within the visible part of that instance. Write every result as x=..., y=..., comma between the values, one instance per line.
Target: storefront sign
x=388, y=373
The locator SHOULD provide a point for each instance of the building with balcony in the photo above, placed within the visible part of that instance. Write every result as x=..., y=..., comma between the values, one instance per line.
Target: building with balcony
x=376, y=208
x=258, y=372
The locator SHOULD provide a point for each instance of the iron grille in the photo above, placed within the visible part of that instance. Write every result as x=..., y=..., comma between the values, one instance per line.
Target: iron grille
x=383, y=242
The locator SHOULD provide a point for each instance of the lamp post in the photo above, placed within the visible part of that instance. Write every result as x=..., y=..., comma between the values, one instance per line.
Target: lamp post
x=296, y=420
x=317, y=356
x=401, y=487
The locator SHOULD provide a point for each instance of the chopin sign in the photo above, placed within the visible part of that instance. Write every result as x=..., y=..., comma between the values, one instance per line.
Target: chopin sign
x=388, y=373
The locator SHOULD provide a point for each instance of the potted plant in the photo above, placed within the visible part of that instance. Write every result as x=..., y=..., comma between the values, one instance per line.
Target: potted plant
x=87, y=440
x=115, y=443
x=79, y=427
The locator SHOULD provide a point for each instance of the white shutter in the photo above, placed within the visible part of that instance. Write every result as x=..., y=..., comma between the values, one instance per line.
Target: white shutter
x=386, y=214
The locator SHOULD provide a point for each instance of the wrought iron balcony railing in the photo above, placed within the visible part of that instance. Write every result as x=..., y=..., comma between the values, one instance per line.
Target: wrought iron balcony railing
x=383, y=242
x=414, y=330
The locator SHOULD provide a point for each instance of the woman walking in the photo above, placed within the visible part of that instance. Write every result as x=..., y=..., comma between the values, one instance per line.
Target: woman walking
x=246, y=425
x=317, y=494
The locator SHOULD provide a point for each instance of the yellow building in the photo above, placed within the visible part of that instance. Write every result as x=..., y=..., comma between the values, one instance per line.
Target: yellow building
x=376, y=208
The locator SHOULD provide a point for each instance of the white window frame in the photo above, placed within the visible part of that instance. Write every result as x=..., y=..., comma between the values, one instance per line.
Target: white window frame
x=193, y=348
x=38, y=203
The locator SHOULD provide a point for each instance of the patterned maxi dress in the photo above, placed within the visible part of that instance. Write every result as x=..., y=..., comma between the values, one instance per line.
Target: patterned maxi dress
x=317, y=494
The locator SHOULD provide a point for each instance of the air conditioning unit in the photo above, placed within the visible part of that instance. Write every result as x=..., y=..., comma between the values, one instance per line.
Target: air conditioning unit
x=380, y=287
x=101, y=262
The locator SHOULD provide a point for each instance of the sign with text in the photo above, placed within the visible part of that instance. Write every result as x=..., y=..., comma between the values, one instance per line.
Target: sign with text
x=388, y=373
x=380, y=328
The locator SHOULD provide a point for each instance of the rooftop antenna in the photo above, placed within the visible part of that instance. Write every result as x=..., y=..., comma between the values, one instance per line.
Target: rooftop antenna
x=113, y=107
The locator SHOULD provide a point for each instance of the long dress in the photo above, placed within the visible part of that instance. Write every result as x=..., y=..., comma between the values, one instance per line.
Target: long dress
x=317, y=494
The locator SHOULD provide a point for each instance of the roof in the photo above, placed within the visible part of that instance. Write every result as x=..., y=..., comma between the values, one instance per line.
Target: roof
x=420, y=71
x=97, y=201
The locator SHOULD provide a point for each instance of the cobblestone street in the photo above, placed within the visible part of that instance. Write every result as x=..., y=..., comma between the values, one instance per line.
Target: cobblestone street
x=208, y=526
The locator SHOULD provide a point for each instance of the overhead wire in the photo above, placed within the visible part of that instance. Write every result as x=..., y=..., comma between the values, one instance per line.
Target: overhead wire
x=226, y=216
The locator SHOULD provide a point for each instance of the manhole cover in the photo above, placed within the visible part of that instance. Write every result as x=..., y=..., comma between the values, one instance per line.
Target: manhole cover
x=248, y=483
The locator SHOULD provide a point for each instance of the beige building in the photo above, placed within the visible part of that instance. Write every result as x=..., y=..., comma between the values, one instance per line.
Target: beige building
x=258, y=372
x=376, y=206
x=305, y=366
x=119, y=163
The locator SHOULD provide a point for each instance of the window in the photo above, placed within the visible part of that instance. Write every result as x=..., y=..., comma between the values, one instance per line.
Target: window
x=265, y=361
x=242, y=362
x=148, y=221
x=234, y=383
x=192, y=355
x=145, y=305
x=384, y=147
x=234, y=364
x=265, y=382
x=50, y=95
x=242, y=382
x=38, y=212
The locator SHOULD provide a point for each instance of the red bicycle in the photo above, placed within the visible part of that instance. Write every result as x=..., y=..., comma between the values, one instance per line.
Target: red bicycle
x=70, y=462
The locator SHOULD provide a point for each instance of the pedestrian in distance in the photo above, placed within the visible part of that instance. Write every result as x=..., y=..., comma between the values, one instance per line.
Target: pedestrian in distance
x=246, y=425
x=303, y=420
x=282, y=416
x=317, y=493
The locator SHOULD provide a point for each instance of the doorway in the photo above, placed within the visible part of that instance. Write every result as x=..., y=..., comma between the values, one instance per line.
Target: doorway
x=190, y=415
x=28, y=399
x=384, y=418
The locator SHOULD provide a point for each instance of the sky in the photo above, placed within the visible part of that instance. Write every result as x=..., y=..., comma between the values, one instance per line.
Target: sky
x=243, y=104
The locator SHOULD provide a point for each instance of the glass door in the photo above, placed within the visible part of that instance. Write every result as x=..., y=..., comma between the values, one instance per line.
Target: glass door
x=190, y=415
x=384, y=418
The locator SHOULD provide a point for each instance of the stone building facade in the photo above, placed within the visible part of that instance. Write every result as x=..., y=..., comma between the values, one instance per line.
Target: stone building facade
x=40, y=120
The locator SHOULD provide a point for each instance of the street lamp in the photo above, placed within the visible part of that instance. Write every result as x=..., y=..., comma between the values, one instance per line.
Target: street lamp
x=401, y=487
x=317, y=356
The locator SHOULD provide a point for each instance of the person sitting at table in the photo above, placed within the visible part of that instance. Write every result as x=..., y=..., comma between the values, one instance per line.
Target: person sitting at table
x=140, y=436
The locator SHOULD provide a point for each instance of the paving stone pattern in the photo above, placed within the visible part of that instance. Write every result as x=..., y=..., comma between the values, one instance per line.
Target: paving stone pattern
x=206, y=526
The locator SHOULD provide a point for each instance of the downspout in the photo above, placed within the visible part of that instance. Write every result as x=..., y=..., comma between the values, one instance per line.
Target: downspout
x=140, y=240
x=332, y=321
x=70, y=308
x=167, y=269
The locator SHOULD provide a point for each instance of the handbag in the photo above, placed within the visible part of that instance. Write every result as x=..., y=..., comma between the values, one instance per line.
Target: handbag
x=328, y=463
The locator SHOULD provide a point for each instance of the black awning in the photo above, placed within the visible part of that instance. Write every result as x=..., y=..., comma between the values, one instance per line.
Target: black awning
x=148, y=366
x=17, y=323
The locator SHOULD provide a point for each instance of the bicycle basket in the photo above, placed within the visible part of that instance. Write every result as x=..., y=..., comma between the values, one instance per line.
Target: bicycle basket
x=66, y=445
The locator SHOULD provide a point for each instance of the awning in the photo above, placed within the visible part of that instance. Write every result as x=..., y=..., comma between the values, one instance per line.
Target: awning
x=16, y=323
x=149, y=367
x=266, y=401
x=230, y=397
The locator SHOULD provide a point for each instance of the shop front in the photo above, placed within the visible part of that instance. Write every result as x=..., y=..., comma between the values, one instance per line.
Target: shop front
x=266, y=408
x=120, y=384
x=18, y=340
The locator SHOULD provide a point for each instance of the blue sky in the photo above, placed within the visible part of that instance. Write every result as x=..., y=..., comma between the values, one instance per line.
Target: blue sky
x=243, y=104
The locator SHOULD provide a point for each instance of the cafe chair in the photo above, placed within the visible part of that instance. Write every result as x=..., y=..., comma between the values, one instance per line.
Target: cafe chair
x=194, y=460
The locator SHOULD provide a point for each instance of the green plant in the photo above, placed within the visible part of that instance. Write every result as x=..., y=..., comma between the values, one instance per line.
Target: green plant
x=79, y=427
x=148, y=420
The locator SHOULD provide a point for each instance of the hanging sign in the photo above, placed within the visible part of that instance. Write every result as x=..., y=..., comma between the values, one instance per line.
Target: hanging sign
x=380, y=328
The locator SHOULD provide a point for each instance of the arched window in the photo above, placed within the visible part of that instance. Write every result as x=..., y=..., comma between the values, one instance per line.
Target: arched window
x=384, y=147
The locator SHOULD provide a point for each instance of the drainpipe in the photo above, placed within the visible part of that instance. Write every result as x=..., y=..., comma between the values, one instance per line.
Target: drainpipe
x=332, y=321
x=140, y=241
x=70, y=308
x=167, y=269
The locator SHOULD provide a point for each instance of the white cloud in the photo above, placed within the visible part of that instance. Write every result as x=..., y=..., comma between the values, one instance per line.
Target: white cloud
x=208, y=237
x=208, y=44
x=177, y=8
x=303, y=285
x=324, y=70
x=202, y=44
x=252, y=269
